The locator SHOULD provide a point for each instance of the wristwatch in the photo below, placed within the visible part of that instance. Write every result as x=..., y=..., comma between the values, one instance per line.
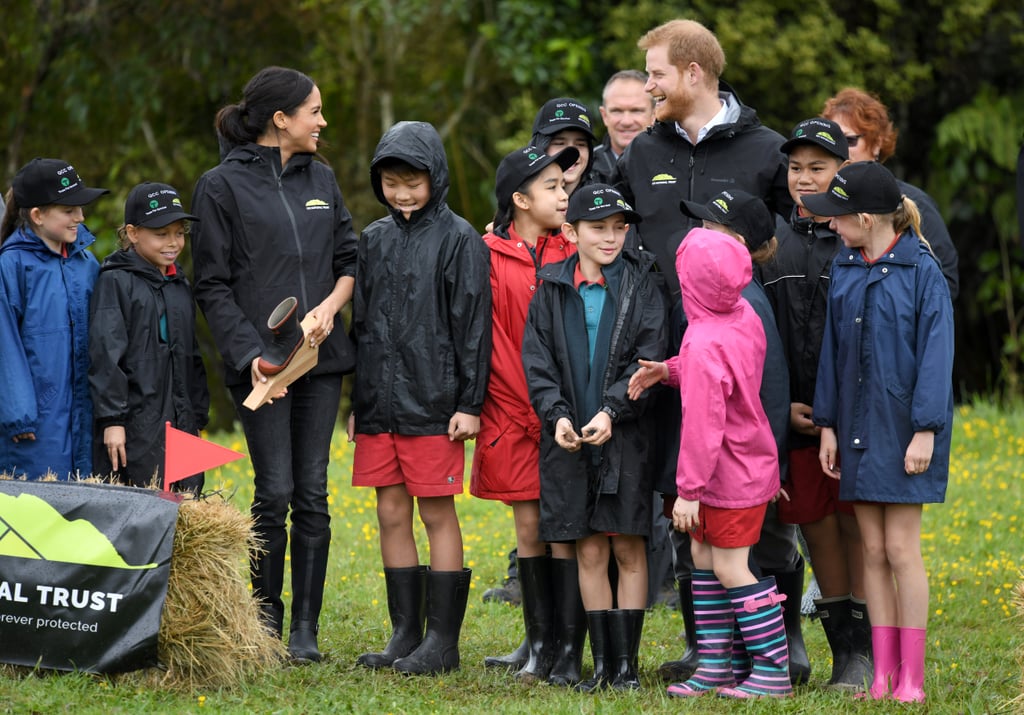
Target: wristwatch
x=610, y=412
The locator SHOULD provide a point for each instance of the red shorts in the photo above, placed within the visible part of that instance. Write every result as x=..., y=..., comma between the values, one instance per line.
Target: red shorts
x=729, y=528
x=428, y=465
x=813, y=495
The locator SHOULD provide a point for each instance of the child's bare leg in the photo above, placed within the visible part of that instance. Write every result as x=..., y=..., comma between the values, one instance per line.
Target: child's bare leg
x=631, y=558
x=878, y=583
x=825, y=542
x=732, y=566
x=444, y=535
x=527, y=518
x=394, y=515
x=854, y=550
x=592, y=553
x=563, y=551
x=903, y=551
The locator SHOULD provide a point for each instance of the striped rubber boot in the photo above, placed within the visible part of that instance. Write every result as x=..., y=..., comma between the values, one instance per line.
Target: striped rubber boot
x=742, y=663
x=713, y=621
x=764, y=632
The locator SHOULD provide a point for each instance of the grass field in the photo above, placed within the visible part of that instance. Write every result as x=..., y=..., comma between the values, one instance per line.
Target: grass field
x=974, y=551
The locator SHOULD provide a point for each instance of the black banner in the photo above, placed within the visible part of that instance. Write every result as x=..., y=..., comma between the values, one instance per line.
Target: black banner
x=83, y=574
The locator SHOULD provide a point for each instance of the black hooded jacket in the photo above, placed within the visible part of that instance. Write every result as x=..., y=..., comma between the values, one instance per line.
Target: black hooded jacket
x=422, y=303
x=139, y=379
x=265, y=234
x=659, y=168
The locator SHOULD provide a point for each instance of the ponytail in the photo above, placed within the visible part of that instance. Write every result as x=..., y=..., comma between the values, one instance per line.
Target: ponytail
x=908, y=217
x=271, y=90
x=13, y=216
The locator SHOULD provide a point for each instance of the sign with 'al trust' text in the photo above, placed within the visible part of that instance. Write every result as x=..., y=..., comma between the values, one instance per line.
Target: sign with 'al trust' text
x=83, y=574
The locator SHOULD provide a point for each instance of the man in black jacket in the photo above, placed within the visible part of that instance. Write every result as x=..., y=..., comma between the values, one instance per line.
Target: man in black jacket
x=626, y=110
x=703, y=141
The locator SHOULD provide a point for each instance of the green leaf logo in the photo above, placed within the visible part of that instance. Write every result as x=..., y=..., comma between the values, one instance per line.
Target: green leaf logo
x=838, y=191
x=598, y=201
x=559, y=113
x=65, y=182
x=154, y=204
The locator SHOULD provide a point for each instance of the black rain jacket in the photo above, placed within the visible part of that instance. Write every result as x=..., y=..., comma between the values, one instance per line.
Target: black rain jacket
x=422, y=304
x=265, y=234
x=638, y=332
x=137, y=379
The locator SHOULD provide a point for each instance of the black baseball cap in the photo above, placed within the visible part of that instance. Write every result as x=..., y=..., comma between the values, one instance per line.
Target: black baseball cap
x=154, y=205
x=43, y=182
x=563, y=113
x=863, y=187
x=744, y=213
x=820, y=132
x=597, y=201
x=521, y=164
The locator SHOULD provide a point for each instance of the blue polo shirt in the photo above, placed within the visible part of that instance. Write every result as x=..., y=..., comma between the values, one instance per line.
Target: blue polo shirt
x=593, y=295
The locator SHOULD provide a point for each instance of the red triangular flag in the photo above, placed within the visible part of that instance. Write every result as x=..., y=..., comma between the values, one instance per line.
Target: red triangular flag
x=187, y=454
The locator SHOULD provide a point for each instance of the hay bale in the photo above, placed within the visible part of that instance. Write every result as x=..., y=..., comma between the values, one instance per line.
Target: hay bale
x=210, y=630
x=1018, y=601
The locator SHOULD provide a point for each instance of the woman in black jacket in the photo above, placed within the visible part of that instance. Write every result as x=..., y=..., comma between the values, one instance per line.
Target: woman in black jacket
x=274, y=226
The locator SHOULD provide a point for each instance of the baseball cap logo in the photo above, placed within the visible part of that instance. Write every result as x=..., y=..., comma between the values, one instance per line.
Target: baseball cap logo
x=154, y=204
x=826, y=137
x=65, y=181
x=721, y=204
x=176, y=202
x=532, y=156
x=838, y=191
x=559, y=113
x=598, y=201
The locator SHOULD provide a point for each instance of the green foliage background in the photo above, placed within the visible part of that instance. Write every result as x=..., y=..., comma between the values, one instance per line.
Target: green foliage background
x=127, y=91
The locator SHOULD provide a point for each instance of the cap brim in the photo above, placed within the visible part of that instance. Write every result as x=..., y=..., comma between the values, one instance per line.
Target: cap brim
x=788, y=147
x=632, y=217
x=695, y=210
x=82, y=197
x=566, y=158
x=825, y=205
x=166, y=219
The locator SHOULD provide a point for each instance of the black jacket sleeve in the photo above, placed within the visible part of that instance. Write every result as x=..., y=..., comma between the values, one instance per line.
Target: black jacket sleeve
x=108, y=343
x=468, y=277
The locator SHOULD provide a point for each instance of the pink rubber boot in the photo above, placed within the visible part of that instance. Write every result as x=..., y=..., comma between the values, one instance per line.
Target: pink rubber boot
x=885, y=642
x=911, y=686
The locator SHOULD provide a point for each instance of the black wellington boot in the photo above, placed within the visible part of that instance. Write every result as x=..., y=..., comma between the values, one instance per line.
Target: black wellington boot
x=266, y=570
x=407, y=598
x=447, y=593
x=284, y=323
x=539, y=617
x=513, y=661
x=597, y=624
x=791, y=583
x=625, y=627
x=570, y=623
x=834, y=614
x=309, y=573
x=860, y=667
x=678, y=671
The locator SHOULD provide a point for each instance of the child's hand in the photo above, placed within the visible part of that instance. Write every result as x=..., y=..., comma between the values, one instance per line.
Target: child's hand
x=800, y=419
x=114, y=440
x=649, y=374
x=598, y=430
x=24, y=437
x=919, y=453
x=828, y=453
x=684, y=514
x=565, y=436
x=781, y=494
x=350, y=427
x=463, y=426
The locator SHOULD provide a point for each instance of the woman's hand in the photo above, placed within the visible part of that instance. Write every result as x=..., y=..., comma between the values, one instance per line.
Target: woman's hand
x=258, y=377
x=324, y=315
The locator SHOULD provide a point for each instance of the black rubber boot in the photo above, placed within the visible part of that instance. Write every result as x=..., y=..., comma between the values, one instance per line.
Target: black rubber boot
x=539, y=617
x=266, y=570
x=407, y=598
x=570, y=623
x=513, y=661
x=625, y=627
x=677, y=671
x=791, y=584
x=447, y=593
x=860, y=667
x=509, y=591
x=309, y=573
x=597, y=624
x=284, y=323
x=834, y=614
